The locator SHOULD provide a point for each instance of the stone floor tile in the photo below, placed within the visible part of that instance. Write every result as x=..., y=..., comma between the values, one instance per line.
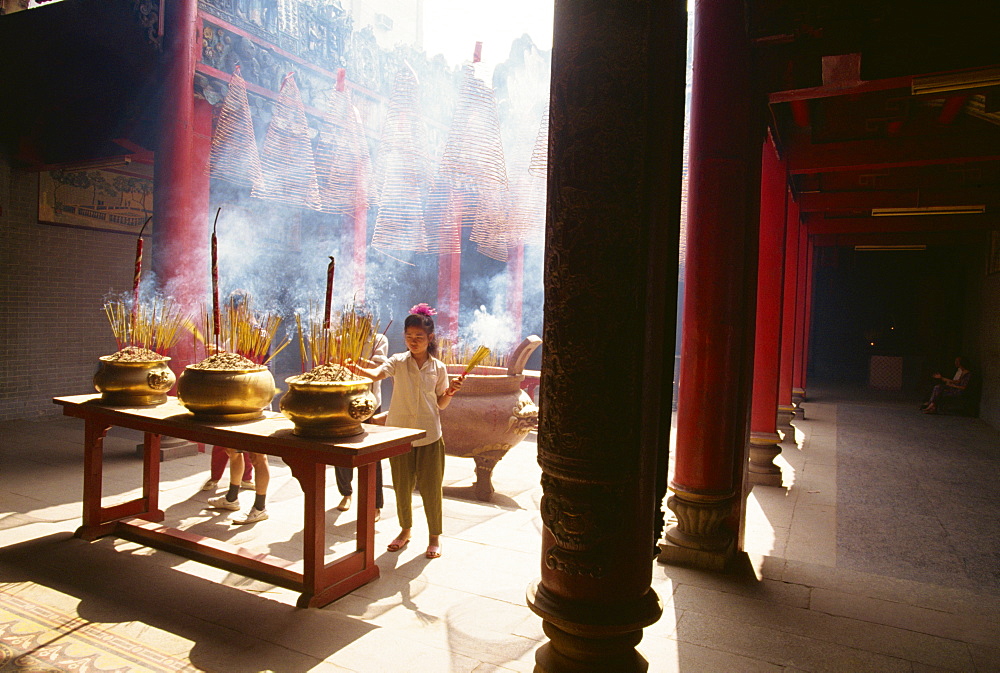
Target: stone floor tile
x=890, y=641
x=960, y=627
x=780, y=648
x=666, y=655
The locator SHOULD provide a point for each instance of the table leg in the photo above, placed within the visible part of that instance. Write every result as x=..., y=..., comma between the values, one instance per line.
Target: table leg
x=93, y=469
x=312, y=478
x=151, y=477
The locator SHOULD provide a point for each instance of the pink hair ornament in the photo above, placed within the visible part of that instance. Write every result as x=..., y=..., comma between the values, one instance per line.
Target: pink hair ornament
x=423, y=309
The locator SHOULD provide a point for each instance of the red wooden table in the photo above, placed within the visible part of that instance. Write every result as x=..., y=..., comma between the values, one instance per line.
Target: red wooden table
x=138, y=520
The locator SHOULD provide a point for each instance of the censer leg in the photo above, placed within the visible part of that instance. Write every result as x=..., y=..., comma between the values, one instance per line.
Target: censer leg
x=483, y=487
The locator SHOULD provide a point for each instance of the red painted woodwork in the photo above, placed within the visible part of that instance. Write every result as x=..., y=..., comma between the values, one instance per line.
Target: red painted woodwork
x=789, y=284
x=855, y=201
x=319, y=582
x=902, y=223
x=515, y=298
x=180, y=237
x=952, y=106
x=801, y=318
x=720, y=267
x=767, y=343
x=805, y=157
x=827, y=91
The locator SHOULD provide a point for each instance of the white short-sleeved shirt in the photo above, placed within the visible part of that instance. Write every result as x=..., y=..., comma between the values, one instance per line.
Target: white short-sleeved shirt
x=380, y=355
x=414, y=394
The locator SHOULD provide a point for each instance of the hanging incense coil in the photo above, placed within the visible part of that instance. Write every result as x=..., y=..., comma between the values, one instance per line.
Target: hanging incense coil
x=539, y=165
x=490, y=227
x=473, y=154
x=401, y=171
x=445, y=212
x=526, y=207
x=287, y=161
x=233, y=156
x=343, y=164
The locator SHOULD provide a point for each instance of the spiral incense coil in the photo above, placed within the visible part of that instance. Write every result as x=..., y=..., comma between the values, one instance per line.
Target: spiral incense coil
x=539, y=165
x=402, y=171
x=444, y=214
x=233, y=156
x=526, y=207
x=490, y=227
x=287, y=157
x=473, y=153
x=343, y=165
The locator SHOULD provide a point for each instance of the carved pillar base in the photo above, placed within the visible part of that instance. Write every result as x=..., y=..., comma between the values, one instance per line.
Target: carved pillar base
x=798, y=396
x=581, y=641
x=786, y=414
x=700, y=537
x=764, y=448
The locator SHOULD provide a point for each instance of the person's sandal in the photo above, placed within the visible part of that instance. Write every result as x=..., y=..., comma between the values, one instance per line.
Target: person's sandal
x=398, y=544
x=345, y=504
x=433, y=551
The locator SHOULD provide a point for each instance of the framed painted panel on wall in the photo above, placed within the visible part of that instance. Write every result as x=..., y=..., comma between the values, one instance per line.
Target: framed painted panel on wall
x=108, y=199
x=993, y=262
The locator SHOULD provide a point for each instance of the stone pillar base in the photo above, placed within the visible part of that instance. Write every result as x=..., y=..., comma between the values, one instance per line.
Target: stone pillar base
x=798, y=396
x=674, y=554
x=764, y=448
x=584, y=638
x=786, y=414
x=171, y=448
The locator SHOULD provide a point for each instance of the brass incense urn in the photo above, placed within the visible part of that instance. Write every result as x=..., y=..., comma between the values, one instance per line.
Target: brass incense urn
x=226, y=394
x=133, y=383
x=327, y=409
x=490, y=415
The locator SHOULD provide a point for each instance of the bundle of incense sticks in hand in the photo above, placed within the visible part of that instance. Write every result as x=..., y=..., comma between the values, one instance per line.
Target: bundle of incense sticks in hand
x=481, y=354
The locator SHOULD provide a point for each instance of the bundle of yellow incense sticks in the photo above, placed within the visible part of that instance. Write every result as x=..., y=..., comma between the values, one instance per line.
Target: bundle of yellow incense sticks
x=481, y=354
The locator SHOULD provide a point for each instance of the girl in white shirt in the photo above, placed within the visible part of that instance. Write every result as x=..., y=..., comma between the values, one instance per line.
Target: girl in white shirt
x=420, y=391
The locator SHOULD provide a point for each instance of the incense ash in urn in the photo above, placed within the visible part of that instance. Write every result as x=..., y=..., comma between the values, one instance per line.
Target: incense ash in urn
x=327, y=401
x=226, y=387
x=134, y=377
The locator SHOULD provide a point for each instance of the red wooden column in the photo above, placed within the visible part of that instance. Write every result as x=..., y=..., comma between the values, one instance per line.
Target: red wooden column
x=450, y=280
x=515, y=298
x=802, y=318
x=181, y=187
x=786, y=408
x=764, y=437
x=720, y=285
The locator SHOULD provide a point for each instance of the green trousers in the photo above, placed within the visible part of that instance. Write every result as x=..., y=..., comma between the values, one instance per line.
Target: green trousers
x=423, y=467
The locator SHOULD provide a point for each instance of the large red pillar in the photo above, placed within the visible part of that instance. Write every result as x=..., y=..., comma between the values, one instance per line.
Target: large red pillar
x=181, y=185
x=450, y=278
x=515, y=298
x=720, y=285
x=764, y=437
x=786, y=408
x=802, y=318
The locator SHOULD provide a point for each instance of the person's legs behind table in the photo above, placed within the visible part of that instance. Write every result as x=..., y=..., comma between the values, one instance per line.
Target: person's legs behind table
x=220, y=458
x=258, y=512
x=230, y=500
x=344, y=477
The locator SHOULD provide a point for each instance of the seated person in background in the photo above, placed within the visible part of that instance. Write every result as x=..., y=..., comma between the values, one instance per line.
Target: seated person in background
x=948, y=388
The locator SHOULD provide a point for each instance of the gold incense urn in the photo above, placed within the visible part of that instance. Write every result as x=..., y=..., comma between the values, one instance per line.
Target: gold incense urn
x=226, y=394
x=490, y=415
x=133, y=384
x=327, y=409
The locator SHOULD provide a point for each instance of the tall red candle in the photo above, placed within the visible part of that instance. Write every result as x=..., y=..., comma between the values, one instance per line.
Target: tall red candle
x=329, y=293
x=137, y=276
x=216, y=318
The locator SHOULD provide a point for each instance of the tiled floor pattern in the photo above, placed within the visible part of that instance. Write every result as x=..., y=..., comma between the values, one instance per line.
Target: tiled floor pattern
x=788, y=606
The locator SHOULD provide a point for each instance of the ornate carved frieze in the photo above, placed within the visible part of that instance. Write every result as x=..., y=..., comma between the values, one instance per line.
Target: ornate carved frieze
x=583, y=518
x=311, y=29
x=148, y=12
